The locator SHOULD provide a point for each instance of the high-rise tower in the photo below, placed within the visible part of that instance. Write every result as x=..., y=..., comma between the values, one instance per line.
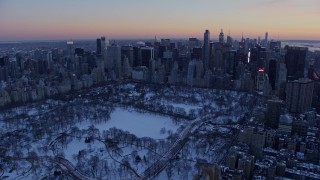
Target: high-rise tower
x=99, y=48
x=114, y=60
x=221, y=37
x=147, y=54
x=299, y=95
x=272, y=74
x=103, y=43
x=295, y=60
x=70, y=49
x=274, y=110
x=266, y=38
x=206, y=49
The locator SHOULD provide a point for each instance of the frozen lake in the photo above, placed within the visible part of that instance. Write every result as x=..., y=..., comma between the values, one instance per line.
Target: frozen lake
x=139, y=124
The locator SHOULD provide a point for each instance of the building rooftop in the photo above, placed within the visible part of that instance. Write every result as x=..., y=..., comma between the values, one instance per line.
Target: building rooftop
x=285, y=119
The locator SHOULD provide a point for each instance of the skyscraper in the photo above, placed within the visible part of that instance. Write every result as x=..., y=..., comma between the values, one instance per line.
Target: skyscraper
x=136, y=56
x=258, y=59
x=299, y=95
x=260, y=80
x=49, y=59
x=127, y=52
x=191, y=72
x=295, y=59
x=266, y=38
x=221, y=37
x=231, y=63
x=275, y=46
x=147, y=54
x=99, y=50
x=103, y=44
x=281, y=76
x=206, y=49
x=70, y=50
x=272, y=73
x=274, y=108
x=114, y=60
x=194, y=42
x=196, y=53
x=229, y=40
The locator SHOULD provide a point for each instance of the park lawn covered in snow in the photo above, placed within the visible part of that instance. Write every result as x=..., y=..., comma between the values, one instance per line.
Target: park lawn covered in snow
x=76, y=145
x=186, y=107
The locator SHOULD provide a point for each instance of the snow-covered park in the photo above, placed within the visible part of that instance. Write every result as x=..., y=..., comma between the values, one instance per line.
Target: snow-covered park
x=118, y=131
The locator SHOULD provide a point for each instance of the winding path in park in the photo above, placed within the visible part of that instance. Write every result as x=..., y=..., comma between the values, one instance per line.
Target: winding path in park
x=162, y=162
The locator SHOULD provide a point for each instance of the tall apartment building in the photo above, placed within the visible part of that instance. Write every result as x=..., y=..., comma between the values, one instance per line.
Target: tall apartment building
x=299, y=95
x=274, y=109
x=295, y=60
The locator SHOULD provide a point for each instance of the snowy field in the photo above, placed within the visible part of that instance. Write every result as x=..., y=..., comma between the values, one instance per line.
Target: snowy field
x=186, y=107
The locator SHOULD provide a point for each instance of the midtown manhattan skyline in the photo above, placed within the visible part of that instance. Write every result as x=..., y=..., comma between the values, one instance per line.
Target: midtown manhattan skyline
x=81, y=19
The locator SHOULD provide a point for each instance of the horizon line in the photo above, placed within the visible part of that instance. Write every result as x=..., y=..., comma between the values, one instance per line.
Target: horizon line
x=93, y=39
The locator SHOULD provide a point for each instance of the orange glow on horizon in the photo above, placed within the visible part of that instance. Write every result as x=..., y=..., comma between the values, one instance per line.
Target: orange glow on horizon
x=54, y=33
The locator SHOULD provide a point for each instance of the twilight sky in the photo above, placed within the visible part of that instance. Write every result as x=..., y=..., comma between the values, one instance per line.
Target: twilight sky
x=83, y=19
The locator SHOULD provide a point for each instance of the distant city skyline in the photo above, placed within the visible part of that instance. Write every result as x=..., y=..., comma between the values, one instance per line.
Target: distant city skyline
x=81, y=19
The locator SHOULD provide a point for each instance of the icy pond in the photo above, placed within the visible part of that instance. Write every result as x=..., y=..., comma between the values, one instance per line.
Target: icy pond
x=137, y=123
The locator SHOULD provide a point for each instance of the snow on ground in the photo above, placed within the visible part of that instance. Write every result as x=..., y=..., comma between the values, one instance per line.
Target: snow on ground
x=186, y=107
x=225, y=119
x=148, y=95
x=175, y=175
x=141, y=166
x=223, y=130
x=127, y=86
x=76, y=145
x=139, y=124
x=16, y=176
